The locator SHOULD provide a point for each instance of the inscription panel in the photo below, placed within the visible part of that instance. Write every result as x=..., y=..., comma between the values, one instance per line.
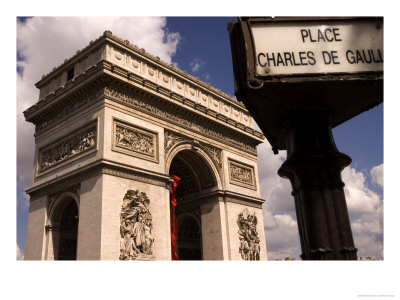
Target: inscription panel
x=241, y=174
x=135, y=141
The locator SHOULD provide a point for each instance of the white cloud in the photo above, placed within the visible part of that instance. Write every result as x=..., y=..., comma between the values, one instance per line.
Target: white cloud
x=274, y=189
x=44, y=43
x=360, y=199
x=377, y=175
x=196, y=64
x=278, y=210
x=366, y=208
x=364, y=205
x=20, y=255
x=282, y=240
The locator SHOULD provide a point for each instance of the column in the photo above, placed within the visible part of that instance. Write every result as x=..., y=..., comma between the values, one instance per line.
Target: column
x=314, y=167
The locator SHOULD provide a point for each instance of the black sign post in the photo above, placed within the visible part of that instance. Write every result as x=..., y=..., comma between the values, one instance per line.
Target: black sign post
x=299, y=78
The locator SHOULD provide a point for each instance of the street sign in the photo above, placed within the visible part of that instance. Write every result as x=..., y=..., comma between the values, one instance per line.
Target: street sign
x=340, y=46
x=286, y=65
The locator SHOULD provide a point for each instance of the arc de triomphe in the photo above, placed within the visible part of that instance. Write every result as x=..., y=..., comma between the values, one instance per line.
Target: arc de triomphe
x=111, y=124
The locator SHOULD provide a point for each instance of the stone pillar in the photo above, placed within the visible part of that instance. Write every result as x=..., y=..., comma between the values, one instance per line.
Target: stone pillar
x=53, y=242
x=314, y=167
x=211, y=229
x=36, y=235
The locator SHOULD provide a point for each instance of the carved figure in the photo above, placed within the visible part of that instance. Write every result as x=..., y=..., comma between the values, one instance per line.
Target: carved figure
x=136, y=225
x=148, y=238
x=217, y=155
x=170, y=140
x=67, y=148
x=241, y=174
x=249, y=248
x=133, y=140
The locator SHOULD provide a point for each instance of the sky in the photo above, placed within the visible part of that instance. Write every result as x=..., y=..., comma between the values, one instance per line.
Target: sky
x=201, y=47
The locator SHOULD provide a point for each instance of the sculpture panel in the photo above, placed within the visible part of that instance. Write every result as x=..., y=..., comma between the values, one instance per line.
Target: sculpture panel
x=67, y=148
x=136, y=226
x=135, y=141
x=241, y=174
x=249, y=248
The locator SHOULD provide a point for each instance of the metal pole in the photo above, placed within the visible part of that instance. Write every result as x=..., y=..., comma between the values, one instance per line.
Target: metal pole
x=314, y=167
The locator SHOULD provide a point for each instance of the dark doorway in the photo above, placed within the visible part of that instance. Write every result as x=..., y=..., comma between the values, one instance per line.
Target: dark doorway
x=189, y=239
x=68, y=232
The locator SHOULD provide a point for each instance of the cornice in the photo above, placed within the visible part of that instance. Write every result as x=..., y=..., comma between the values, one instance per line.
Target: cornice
x=224, y=196
x=48, y=112
x=108, y=36
x=97, y=168
x=64, y=93
x=113, y=56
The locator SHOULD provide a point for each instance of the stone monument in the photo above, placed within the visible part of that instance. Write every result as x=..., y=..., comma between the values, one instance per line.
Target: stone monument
x=111, y=125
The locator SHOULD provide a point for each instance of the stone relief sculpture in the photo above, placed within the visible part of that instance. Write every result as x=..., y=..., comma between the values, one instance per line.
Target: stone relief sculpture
x=136, y=226
x=241, y=174
x=217, y=156
x=249, y=248
x=134, y=140
x=170, y=139
x=66, y=149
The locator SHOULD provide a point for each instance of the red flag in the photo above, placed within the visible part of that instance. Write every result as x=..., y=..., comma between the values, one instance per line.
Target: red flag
x=174, y=223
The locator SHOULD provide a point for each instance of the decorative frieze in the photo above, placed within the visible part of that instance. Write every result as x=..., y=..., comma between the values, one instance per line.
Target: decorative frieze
x=137, y=176
x=69, y=108
x=135, y=141
x=68, y=148
x=249, y=248
x=241, y=174
x=173, y=115
x=136, y=227
x=150, y=71
x=164, y=78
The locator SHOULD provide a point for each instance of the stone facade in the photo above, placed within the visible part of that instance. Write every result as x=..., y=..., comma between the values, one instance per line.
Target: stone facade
x=113, y=120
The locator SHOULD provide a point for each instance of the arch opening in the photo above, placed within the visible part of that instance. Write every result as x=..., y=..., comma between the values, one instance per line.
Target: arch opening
x=197, y=178
x=68, y=232
x=64, y=230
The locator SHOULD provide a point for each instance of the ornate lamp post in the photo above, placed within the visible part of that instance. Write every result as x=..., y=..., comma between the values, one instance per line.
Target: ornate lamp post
x=299, y=78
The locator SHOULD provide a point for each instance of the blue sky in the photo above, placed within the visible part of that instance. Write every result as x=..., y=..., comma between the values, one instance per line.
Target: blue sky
x=201, y=47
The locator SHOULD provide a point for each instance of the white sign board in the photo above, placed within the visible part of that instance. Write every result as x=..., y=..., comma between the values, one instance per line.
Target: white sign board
x=283, y=48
